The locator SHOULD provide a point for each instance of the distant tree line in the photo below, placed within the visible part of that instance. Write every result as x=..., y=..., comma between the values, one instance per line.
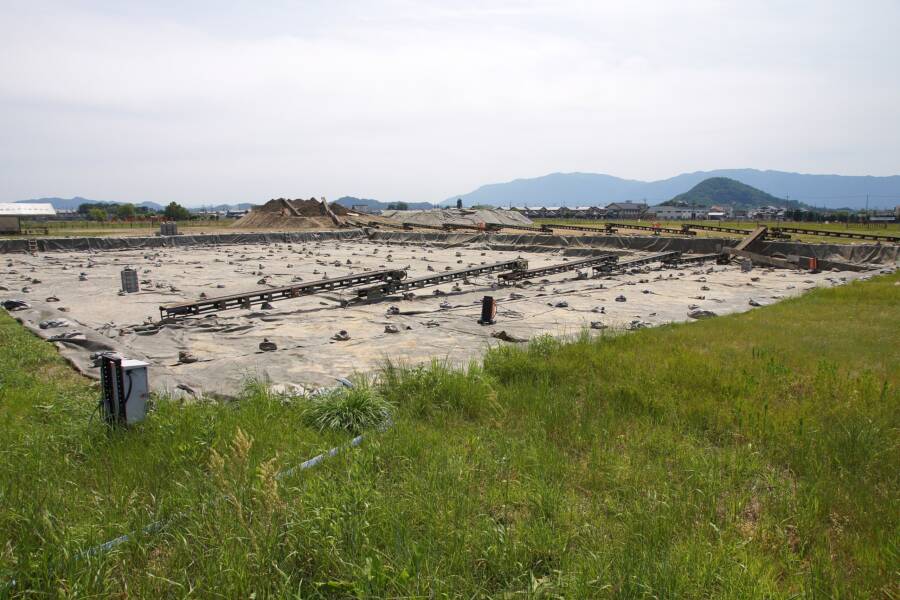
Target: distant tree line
x=99, y=211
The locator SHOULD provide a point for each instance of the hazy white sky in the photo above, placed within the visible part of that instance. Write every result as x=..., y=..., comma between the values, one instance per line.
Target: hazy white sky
x=207, y=102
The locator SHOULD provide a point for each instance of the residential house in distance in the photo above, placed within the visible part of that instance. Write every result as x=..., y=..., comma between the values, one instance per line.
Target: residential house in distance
x=589, y=212
x=767, y=213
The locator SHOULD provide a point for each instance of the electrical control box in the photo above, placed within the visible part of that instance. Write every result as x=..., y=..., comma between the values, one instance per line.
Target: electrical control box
x=126, y=389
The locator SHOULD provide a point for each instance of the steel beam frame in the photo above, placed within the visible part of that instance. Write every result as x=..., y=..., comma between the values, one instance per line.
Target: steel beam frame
x=593, y=261
x=665, y=257
x=393, y=286
x=840, y=234
x=248, y=299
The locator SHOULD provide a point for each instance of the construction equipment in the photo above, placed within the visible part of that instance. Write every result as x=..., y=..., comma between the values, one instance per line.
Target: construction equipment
x=593, y=261
x=247, y=299
x=393, y=286
x=125, y=389
x=130, y=283
x=488, y=311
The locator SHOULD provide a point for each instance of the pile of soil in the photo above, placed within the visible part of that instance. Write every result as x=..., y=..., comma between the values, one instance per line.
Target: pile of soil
x=282, y=213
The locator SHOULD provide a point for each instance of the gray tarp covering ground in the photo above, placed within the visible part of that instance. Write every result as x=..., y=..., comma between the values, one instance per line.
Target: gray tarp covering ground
x=856, y=253
x=174, y=241
x=82, y=287
x=464, y=216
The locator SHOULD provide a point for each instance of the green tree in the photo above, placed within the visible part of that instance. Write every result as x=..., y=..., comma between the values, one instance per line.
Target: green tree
x=96, y=214
x=85, y=207
x=398, y=206
x=125, y=211
x=176, y=212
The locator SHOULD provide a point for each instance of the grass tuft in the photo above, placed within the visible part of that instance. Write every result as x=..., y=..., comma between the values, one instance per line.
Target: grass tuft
x=354, y=410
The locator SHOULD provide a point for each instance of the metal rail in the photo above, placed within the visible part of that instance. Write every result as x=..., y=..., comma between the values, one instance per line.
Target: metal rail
x=604, y=231
x=664, y=257
x=494, y=227
x=651, y=228
x=840, y=234
x=696, y=258
x=392, y=286
x=407, y=225
x=611, y=227
x=247, y=299
x=526, y=228
x=377, y=224
x=593, y=261
x=738, y=231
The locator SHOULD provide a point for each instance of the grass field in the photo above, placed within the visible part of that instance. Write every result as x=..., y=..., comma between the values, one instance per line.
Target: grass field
x=869, y=228
x=748, y=456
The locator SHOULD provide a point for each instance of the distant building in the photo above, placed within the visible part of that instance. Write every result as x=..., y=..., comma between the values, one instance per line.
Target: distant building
x=677, y=213
x=11, y=215
x=626, y=210
x=884, y=216
x=62, y=214
x=767, y=213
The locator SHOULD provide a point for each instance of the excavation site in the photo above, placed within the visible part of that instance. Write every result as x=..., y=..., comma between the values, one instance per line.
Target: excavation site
x=305, y=310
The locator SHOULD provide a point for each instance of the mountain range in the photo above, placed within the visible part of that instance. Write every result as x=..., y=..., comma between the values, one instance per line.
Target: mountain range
x=582, y=189
x=576, y=189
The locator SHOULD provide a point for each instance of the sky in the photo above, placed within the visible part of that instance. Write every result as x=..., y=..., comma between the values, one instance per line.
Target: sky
x=205, y=102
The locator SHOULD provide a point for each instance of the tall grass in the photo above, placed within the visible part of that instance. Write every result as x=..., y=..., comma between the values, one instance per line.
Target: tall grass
x=753, y=455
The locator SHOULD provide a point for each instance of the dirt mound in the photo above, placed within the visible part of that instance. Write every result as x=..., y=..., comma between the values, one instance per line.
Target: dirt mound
x=458, y=216
x=294, y=214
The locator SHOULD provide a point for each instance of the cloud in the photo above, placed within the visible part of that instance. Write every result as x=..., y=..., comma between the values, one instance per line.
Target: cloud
x=420, y=100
